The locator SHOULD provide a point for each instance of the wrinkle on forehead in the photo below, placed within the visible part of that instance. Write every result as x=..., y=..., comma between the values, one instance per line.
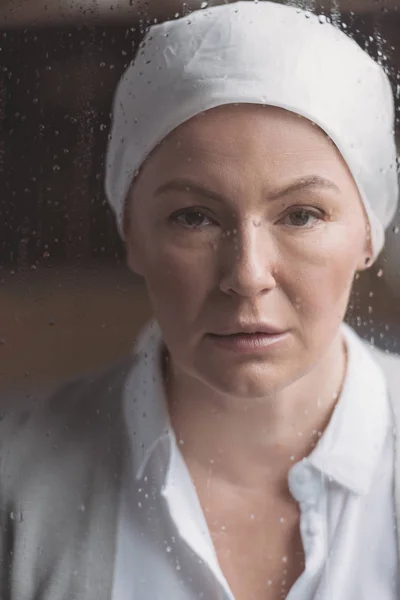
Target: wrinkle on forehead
x=228, y=130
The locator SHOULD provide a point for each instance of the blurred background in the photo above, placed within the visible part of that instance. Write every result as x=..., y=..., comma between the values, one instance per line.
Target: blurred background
x=68, y=304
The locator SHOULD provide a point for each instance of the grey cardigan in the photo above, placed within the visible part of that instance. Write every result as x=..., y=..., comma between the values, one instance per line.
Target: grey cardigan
x=61, y=460
x=60, y=472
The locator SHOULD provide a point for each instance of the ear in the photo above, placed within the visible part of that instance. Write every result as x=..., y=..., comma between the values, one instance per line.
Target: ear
x=366, y=259
x=365, y=263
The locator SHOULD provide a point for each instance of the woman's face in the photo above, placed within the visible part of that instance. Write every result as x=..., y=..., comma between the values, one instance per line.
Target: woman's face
x=247, y=214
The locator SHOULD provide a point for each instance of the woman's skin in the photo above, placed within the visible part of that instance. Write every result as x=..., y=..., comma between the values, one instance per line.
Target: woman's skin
x=248, y=213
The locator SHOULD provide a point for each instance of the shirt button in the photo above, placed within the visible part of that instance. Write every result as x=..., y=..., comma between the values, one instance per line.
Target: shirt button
x=304, y=483
x=312, y=526
x=303, y=475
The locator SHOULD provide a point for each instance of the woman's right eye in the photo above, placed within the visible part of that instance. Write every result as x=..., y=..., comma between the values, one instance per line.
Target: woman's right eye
x=192, y=219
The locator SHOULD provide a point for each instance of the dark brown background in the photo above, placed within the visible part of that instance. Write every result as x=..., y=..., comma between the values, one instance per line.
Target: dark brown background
x=67, y=302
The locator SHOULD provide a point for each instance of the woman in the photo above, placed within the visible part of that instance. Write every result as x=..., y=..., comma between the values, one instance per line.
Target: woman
x=248, y=451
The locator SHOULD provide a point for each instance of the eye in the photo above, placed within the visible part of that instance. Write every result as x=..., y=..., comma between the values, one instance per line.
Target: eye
x=192, y=219
x=302, y=218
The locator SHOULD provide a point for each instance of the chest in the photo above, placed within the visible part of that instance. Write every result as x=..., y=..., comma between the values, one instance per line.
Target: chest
x=257, y=540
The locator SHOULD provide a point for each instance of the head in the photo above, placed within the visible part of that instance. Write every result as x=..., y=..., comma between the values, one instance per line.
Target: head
x=256, y=183
x=247, y=213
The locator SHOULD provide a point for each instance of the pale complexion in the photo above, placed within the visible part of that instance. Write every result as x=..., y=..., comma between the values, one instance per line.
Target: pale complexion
x=249, y=213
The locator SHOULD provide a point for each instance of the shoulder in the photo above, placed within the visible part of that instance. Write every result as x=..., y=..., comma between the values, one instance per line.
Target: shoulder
x=375, y=360
x=56, y=426
x=389, y=365
x=389, y=362
x=85, y=394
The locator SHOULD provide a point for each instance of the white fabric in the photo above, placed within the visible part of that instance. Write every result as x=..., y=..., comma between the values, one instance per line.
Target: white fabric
x=262, y=53
x=344, y=489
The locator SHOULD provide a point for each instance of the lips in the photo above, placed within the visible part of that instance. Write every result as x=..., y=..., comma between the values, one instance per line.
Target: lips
x=249, y=343
x=250, y=329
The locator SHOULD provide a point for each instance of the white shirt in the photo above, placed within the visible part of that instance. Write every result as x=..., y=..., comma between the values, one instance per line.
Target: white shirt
x=344, y=490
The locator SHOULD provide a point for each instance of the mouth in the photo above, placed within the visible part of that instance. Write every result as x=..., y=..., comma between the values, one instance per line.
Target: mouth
x=256, y=329
x=249, y=342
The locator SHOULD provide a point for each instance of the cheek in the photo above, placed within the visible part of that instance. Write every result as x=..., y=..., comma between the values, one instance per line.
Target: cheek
x=321, y=283
x=179, y=283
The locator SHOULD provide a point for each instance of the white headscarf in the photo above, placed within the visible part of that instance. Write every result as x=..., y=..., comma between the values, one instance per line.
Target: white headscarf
x=259, y=53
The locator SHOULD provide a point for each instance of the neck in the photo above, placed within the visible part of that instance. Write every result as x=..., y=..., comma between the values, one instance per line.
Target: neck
x=253, y=443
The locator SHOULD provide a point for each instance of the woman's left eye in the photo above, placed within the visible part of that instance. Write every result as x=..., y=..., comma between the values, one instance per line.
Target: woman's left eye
x=302, y=218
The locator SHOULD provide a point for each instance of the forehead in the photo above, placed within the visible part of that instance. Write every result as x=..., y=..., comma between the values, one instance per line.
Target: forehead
x=251, y=123
x=247, y=138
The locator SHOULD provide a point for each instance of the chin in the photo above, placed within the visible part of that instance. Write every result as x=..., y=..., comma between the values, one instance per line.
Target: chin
x=247, y=381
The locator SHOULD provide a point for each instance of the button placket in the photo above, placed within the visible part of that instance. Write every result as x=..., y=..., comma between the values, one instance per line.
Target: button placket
x=312, y=525
x=306, y=486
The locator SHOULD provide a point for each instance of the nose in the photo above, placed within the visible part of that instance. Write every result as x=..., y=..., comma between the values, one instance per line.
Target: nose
x=250, y=261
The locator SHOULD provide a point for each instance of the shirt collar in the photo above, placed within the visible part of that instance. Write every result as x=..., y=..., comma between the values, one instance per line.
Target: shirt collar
x=351, y=445
x=349, y=449
x=145, y=404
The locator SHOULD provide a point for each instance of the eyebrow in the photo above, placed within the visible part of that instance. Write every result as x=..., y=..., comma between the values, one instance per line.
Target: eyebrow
x=185, y=185
x=312, y=181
